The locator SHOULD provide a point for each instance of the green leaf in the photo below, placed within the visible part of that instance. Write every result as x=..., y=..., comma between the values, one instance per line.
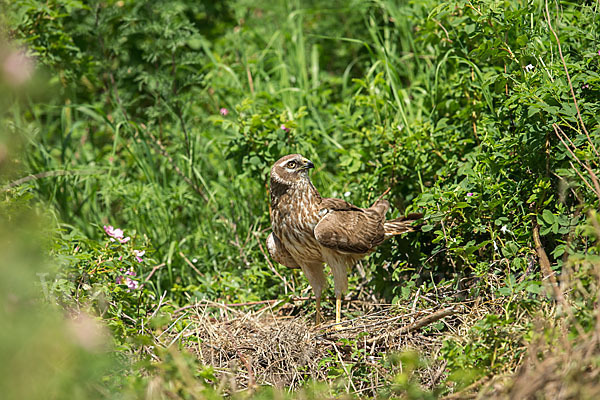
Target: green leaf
x=548, y=216
x=427, y=228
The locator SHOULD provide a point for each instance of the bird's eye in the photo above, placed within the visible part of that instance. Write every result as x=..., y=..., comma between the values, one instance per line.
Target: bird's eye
x=291, y=164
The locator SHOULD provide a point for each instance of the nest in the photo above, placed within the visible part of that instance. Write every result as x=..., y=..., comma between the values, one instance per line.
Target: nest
x=258, y=350
x=270, y=347
x=277, y=345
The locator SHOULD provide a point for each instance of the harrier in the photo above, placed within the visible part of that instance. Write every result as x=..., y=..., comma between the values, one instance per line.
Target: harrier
x=309, y=230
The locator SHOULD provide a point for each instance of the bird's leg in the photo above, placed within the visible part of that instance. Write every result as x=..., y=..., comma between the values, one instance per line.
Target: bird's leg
x=318, y=317
x=338, y=310
x=317, y=280
x=340, y=279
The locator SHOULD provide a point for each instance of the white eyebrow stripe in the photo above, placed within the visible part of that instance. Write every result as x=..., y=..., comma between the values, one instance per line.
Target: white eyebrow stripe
x=285, y=162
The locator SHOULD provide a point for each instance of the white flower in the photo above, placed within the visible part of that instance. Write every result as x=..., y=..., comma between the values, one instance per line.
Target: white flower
x=529, y=67
x=131, y=284
x=347, y=194
x=139, y=254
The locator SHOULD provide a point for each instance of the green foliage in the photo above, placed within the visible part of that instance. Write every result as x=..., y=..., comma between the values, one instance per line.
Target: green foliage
x=463, y=108
x=434, y=102
x=106, y=278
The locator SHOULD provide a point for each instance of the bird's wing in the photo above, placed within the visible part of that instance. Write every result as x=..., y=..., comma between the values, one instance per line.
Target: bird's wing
x=279, y=253
x=347, y=228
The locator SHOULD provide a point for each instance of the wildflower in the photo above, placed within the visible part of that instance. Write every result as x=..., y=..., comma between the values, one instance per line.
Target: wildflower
x=110, y=231
x=17, y=68
x=470, y=194
x=131, y=284
x=87, y=332
x=223, y=111
x=194, y=260
x=125, y=279
x=529, y=68
x=586, y=86
x=139, y=254
x=116, y=234
x=284, y=128
x=347, y=194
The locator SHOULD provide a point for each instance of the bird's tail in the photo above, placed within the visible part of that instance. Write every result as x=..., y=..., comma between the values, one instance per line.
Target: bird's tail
x=402, y=224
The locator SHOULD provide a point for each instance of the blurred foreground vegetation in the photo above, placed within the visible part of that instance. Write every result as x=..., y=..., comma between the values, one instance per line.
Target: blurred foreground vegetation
x=162, y=118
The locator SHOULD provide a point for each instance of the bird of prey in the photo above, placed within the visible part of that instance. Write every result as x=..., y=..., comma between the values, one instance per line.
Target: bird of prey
x=309, y=230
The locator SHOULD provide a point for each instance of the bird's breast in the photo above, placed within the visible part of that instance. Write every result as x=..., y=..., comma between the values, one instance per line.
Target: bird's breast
x=294, y=217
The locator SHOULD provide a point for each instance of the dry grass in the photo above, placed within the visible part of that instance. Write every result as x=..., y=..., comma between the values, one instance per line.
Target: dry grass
x=249, y=348
x=558, y=359
x=271, y=347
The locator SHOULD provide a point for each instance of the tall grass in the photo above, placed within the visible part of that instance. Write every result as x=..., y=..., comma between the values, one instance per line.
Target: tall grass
x=462, y=108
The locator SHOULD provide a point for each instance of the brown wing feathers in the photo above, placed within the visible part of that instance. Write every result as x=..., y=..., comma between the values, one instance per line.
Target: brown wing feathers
x=351, y=229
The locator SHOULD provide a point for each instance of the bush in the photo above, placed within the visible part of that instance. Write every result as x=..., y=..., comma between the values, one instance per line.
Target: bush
x=163, y=117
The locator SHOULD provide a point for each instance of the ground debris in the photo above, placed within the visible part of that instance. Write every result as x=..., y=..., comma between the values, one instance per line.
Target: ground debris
x=272, y=351
x=266, y=348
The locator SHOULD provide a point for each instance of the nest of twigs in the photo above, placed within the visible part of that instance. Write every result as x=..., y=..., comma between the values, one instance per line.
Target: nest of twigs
x=271, y=347
x=263, y=350
x=273, y=343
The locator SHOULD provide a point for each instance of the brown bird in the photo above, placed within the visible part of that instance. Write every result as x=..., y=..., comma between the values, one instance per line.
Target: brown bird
x=309, y=230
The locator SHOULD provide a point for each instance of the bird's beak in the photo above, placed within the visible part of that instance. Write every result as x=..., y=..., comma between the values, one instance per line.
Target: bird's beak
x=307, y=164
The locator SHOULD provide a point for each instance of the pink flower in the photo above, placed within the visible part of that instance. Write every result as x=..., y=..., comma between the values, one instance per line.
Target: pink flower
x=116, y=234
x=469, y=194
x=599, y=52
x=110, y=231
x=224, y=111
x=17, y=67
x=139, y=254
x=131, y=284
x=284, y=128
x=87, y=332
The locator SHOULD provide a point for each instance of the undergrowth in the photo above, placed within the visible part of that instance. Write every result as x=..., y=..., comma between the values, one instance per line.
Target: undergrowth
x=158, y=121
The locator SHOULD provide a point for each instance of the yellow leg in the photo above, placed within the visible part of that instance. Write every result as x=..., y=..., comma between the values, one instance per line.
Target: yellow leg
x=338, y=311
x=318, y=317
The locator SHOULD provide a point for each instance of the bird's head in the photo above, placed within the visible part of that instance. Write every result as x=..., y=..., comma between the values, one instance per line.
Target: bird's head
x=291, y=170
